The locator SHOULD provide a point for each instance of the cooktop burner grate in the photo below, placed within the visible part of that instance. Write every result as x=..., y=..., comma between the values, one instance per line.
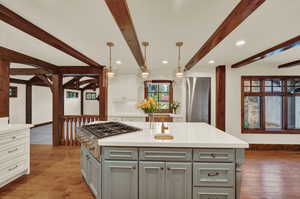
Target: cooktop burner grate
x=102, y=130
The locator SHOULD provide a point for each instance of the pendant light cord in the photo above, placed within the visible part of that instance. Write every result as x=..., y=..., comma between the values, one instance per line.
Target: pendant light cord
x=110, y=57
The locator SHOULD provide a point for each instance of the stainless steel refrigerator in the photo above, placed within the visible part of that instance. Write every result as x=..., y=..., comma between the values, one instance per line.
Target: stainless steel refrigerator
x=198, y=99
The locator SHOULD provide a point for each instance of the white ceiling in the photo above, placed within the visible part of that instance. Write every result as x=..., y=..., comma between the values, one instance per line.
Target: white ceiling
x=88, y=25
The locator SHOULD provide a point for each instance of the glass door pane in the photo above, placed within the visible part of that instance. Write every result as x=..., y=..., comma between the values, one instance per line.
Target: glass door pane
x=252, y=112
x=273, y=112
x=294, y=112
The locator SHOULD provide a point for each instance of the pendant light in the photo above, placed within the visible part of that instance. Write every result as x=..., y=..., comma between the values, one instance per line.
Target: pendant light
x=179, y=72
x=110, y=73
x=145, y=70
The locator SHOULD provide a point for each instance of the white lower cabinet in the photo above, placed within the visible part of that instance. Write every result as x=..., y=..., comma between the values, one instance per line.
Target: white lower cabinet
x=14, y=155
x=165, y=180
x=120, y=180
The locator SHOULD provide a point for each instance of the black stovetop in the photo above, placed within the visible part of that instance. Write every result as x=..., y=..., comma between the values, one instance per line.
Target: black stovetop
x=106, y=129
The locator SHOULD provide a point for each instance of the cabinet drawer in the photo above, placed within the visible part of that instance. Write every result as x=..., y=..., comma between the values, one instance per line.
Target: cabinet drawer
x=12, y=150
x=117, y=153
x=214, y=174
x=12, y=168
x=12, y=137
x=165, y=154
x=212, y=193
x=214, y=155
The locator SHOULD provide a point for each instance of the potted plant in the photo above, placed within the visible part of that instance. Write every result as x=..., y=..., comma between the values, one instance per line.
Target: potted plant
x=149, y=106
x=174, y=106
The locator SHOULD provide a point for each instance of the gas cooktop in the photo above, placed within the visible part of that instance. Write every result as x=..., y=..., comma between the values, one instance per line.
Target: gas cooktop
x=106, y=129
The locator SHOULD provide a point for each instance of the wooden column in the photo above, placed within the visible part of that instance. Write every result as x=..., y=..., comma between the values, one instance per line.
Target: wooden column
x=220, y=97
x=58, y=108
x=103, y=87
x=28, y=103
x=4, y=88
x=81, y=102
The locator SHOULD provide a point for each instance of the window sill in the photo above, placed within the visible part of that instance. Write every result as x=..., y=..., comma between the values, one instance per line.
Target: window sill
x=271, y=131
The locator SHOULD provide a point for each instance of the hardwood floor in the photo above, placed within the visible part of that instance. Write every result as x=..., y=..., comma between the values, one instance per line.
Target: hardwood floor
x=55, y=175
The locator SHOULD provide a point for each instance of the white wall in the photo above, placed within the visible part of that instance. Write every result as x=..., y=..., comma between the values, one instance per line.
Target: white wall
x=3, y=122
x=41, y=104
x=233, y=103
x=17, y=105
x=90, y=107
x=126, y=90
x=72, y=105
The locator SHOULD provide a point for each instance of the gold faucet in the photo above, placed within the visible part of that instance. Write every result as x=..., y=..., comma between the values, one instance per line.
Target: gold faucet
x=163, y=127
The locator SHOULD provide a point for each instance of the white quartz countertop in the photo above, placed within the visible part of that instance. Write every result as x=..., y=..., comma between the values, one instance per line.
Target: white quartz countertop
x=14, y=127
x=191, y=135
x=141, y=114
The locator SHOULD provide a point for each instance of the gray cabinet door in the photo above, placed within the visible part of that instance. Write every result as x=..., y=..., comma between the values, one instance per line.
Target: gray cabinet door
x=94, y=173
x=178, y=180
x=84, y=163
x=152, y=180
x=120, y=180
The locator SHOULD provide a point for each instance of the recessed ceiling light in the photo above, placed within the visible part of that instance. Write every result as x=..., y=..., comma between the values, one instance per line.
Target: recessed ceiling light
x=240, y=43
x=165, y=62
x=211, y=62
x=118, y=62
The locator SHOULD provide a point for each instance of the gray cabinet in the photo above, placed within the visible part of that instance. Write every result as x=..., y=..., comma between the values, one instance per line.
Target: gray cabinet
x=213, y=193
x=84, y=163
x=152, y=180
x=165, y=180
x=214, y=174
x=178, y=180
x=91, y=171
x=120, y=180
x=94, y=176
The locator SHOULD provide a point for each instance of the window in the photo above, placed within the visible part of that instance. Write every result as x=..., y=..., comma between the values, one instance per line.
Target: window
x=161, y=91
x=90, y=96
x=270, y=104
x=72, y=94
x=13, y=91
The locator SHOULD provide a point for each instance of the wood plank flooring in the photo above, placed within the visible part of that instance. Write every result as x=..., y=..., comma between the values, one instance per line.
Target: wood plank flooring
x=55, y=175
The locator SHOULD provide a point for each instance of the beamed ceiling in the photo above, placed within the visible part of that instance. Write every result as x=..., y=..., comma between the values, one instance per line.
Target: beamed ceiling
x=87, y=26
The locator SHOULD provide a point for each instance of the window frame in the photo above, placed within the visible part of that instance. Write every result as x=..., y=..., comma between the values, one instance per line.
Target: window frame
x=262, y=94
x=93, y=94
x=14, y=92
x=170, y=93
x=74, y=93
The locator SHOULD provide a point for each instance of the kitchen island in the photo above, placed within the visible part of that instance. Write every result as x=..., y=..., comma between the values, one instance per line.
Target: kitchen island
x=200, y=162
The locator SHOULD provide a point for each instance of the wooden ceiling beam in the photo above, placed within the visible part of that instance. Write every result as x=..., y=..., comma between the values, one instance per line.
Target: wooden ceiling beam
x=90, y=86
x=88, y=81
x=244, y=9
x=37, y=81
x=120, y=11
x=24, y=25
x=46, y=80
x=28, y=71
x=73, y=83
x=16, y=57
x=78, y=70
x=17, y=81
x=290, y=64
x=269, y=52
